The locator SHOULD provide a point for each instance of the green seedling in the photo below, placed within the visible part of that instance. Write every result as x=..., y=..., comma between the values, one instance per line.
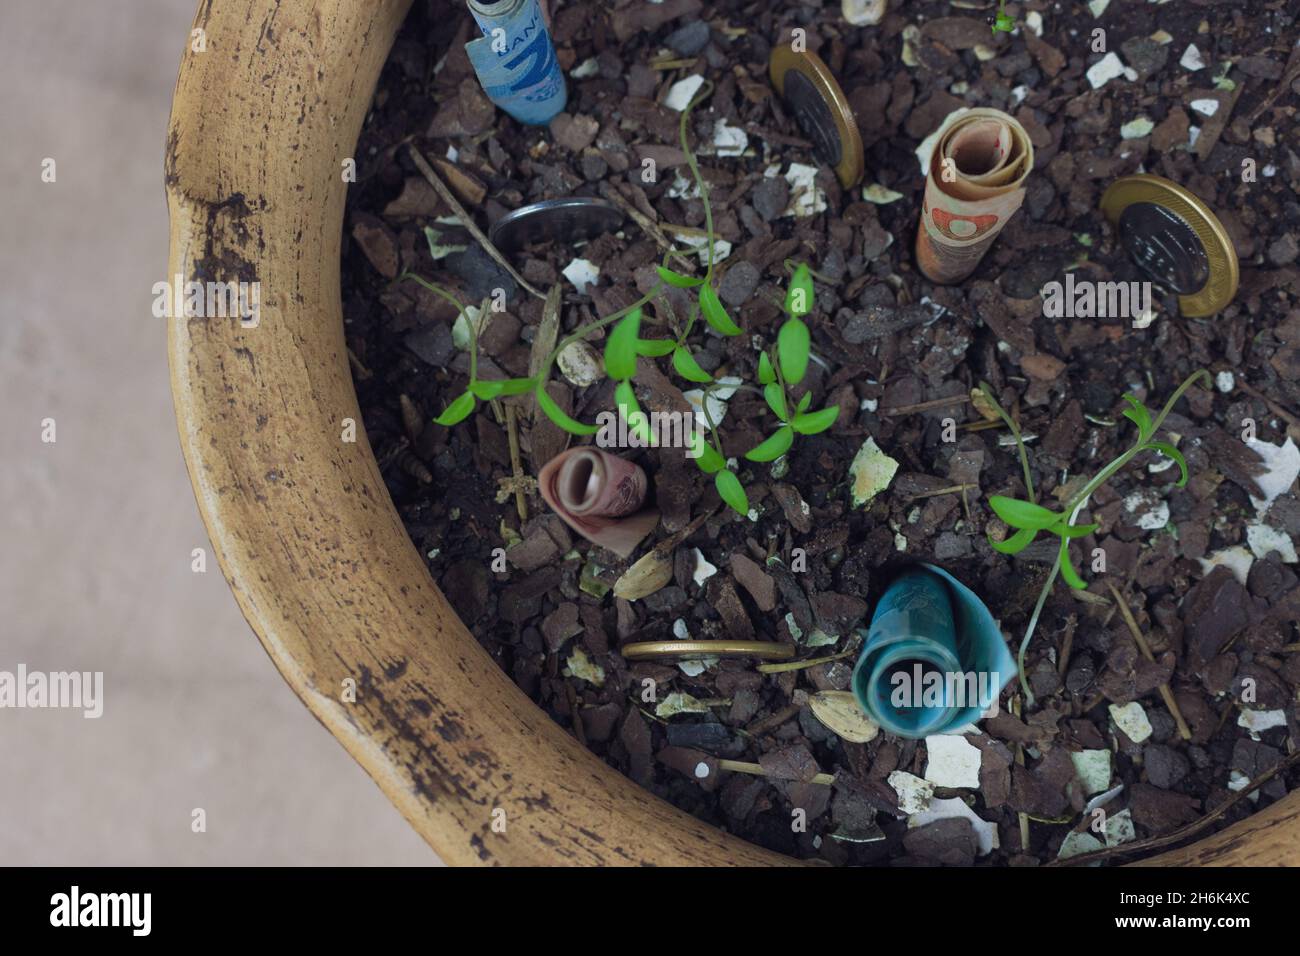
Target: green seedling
x=1030, y=519
x=463, y=405
x=793, y=343
x=625, y=346
x=1015, y=433
x=1002, y=22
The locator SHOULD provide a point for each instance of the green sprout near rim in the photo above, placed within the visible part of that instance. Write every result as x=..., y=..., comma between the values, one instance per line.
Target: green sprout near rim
x=624, y=346
x=1031, y=519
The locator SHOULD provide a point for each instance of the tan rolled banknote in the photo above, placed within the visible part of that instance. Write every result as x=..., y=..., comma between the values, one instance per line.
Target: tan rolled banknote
x=974, y=184
x=599, y=495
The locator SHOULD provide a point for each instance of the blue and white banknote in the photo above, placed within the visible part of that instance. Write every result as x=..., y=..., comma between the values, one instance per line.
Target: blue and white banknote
x=515, y=60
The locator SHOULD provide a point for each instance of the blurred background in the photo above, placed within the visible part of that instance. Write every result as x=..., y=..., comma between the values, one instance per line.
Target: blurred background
x=97, y=529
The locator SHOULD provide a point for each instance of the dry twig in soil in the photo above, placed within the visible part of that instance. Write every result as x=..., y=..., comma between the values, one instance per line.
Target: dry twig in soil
x=467, y=220
x=516, y=465
x=1140, y=639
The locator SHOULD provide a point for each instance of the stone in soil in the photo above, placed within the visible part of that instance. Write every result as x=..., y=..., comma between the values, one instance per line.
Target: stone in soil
x=481, y=274
x=1144, y=54
x=770, y=197
x=838, y=613
x=738, y=283
x=560, y=625
x=875, y=240
x=1165, y=766
x=702, y=736
x=635, y=736
x=856, y=802
x=432, y=344
x=1261, y=687
x=1159, y=811
x=574, y=133
x=378, y=243
x=1214, y=612
x=599, y=722
x=949, y=842
x=665, y=600
x=1283, y=250
x=688, y=40
x=952, y=761
x=1040, y=791
x=740, y=794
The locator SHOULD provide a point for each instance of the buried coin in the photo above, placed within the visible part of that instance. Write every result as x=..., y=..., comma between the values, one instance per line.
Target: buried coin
x=568, y=220
x=1175, y=240
x=812, y=93
x=646, y=650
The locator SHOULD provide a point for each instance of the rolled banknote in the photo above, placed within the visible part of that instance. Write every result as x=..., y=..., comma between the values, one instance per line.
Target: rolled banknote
x=515, y=59
x=934, y=658
x=599, y=495
x=975, y=182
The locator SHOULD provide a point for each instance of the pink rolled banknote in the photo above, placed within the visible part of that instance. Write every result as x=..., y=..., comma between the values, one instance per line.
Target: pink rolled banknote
x=599, y=495
x=974, y=185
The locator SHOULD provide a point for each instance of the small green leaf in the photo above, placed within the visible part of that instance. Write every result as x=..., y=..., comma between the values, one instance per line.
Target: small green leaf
x=1016, y=543
x=1071, y=531
x=706, y=457
x=799, y=296
x=731, y=491
x=494, y=388
x=1139, y=415
x=637, y=422
x=677, y=279
x=687, y=367
x=1070, y=575
x=714, y=313
x=804, y=402
x=1170, y=451
x=817, y=421
x=458, y=410
x=654, y=348
x=776, y=401
x=625, y=398
x=556, y=414
x=518, y=386
x=487, y=390
x=620, y=348
x=792, y=350
x=1022, y=514
x=766, y=374
x=773, y=447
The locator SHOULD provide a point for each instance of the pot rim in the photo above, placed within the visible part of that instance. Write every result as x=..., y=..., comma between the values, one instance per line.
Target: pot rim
x=299, y=518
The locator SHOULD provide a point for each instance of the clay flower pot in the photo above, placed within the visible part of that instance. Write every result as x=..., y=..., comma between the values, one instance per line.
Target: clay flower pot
x=262, y=123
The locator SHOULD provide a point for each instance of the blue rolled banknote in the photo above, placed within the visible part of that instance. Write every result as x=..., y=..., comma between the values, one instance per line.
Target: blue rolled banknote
x=515, y=60
x=934, y=657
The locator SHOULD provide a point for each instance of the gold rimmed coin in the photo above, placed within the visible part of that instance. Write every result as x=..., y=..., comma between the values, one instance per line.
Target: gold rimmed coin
x=1175, y=240
x=822, y=110
x=646, y=650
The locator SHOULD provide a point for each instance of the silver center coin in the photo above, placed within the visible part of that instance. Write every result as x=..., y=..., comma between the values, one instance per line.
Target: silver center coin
x=565, y=220
x=1164, y=247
